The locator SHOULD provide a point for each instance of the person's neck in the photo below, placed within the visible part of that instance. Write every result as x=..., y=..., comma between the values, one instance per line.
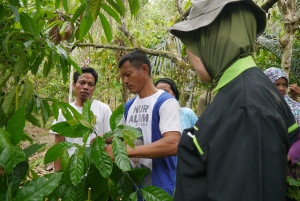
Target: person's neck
x=79, y=103
x=148, y=91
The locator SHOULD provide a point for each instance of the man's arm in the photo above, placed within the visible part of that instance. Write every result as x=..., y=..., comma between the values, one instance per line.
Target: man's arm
x=58, y=138
x=166, y=146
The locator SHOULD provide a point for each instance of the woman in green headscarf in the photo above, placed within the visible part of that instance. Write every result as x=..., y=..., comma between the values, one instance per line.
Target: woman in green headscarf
x=237, y=149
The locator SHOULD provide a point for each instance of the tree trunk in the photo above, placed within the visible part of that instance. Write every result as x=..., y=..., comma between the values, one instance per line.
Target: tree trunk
x=291, y=20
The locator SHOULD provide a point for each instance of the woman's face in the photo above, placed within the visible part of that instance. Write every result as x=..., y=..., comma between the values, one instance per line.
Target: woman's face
x=281, y=85
x=166, y=87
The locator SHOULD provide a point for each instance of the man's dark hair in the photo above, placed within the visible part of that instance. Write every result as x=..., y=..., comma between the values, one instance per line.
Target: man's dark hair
x=136, y=58
x=85, y=70
x=172, y=85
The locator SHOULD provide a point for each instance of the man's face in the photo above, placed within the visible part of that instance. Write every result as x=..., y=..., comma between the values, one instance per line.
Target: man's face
x=133, y=78
x=84, y=87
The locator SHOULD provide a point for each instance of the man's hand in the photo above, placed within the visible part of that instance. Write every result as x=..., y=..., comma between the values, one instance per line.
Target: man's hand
x=108, y=149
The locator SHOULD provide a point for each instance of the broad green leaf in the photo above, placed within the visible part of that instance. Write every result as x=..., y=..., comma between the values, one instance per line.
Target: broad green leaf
x=106, y=27
x=116, y=117
x=54, y=152
x=47, y=66
x=95, y=7
x=15, y=3
x=86, y=110
x=293, y=182
x=154, y=193
x=187, y=5
x=33, y=120
x=16, y=124
x=38, y=5
x=74, y=64
x=88, y=8
x=76, y=114
x=112, y=13
x=15, y=12
x=65, y=5
x=62, y=52
x=121, y=185
x=37, y=62
x=8, y=100
x=18, y=174
x=20, y=64
x=69, y=193
x=134, y=6
x=10, y=155
x=121, y=6
x=108, y=134
x=76, y=168
x=28, y=44
x=133, y=130
x=38, y=189
x=85, y=25
x=57, y=4
x=55, y=110
x=78, y=12
x=45, y=111
x=28, y=24
x=64, y=109
x=120, y=9
x=64, y=159
x=34, y=174
x=29, y=151
x=27, y=137
x=4, y=79
x=120, y=154
x=70, y=128
x=100, y=158
x=29, y=90
x=133, y=196
x=86, y=123
x=137, y=174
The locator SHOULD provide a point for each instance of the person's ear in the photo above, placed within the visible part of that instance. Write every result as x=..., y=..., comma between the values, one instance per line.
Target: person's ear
x=145, y=69
x=73, y=85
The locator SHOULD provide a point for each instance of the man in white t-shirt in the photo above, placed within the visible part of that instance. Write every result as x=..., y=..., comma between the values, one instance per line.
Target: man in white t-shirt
x=156, y=114
x=84, y=86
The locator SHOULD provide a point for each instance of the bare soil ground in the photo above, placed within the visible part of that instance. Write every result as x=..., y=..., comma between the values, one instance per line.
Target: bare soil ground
x=39, y=136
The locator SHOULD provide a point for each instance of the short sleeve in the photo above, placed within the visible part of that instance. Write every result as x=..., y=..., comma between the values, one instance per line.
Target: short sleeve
x=169, y=113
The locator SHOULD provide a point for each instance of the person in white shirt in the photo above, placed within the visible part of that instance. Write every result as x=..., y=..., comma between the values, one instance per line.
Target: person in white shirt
x=84, y=86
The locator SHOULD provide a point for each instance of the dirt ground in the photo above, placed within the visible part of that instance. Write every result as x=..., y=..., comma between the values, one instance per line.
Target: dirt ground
x=39, y=136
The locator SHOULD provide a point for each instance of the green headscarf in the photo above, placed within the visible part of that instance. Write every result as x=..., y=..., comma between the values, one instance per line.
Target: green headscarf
x=230, y=37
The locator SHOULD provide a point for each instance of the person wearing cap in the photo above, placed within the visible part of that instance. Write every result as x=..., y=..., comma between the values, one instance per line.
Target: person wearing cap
x=188, y=117
x=238, y=148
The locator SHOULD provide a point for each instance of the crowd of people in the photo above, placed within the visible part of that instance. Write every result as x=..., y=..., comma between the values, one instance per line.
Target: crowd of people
x=245, y=135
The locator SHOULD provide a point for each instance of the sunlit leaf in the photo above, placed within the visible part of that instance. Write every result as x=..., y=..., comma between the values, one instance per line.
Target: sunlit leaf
x=15, y=12
x=112, y=13
x=116, y=117
x=154, y=193
x=95, y=7
x=76, y=168
x=8, y=100
x=120, y=9
x=38, y=189
x=100, y=158
x=65, y=5
x=54, y=152
x=64, y=159
x=75, y=65
x=70, y=128
x=85, y=25
x=78, y=12
x=106, y=27
x=120, y=154
x=86, y=110
x=57, y=4
x=16, y=125
x=10, y=155
x=28, y=24
x=55, y=110
x=38, y=5
x=134, y=6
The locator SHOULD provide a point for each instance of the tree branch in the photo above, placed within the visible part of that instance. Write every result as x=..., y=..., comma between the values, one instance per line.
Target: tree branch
x=173, y=57
x=179, y=6
x=125, y=31
x=268, y=4
x=183, y=15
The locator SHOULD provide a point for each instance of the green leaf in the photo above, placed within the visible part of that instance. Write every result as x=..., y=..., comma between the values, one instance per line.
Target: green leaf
x=15, y=12
x=45, y=111
x=106, y=27
x=20, y=64
x=116, y=117
x=78, y=12
x=54, y=152
x=133, y=196
x=16, y=124
x=15, y=3
x=76, y=168
x=95, y=7
x=137, y=174
x=64, y=109
x=112, y=13
x=64, y=159
x=65, y=5
x=154, y=193
x=29, y=90
x=76, y=114
x=8, y=100
x=120, y=9
x=74, y=64
x=29, y=151
x=86, y=110
x=37, y=62
x=33, y=120
x=25, y=3
x=4, y=79
x=38, y=5
x=70, y=128
x=62, y=53
x=57, y=4
x=27, y=137
x=120, y=154
x=134, y=7
x=100, y=158
x=85, y=25
x=10, y=155
x=55, y=110
x=18, y=174
x=47, y=66
x=28, y=25
x=38, y=189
